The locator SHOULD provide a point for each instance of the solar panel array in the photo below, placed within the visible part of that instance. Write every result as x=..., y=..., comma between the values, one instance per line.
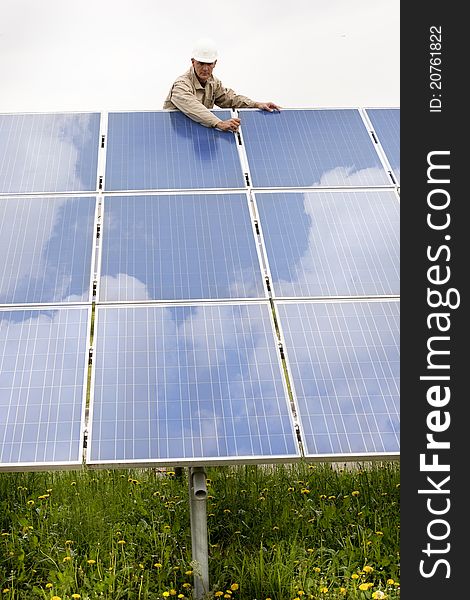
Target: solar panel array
x=172, y=294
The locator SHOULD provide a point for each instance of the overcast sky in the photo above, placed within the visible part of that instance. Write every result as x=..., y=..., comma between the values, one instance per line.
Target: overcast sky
x=64, y=55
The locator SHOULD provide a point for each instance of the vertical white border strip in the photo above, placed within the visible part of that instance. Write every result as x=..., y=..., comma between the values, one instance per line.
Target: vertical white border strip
x=242, y=151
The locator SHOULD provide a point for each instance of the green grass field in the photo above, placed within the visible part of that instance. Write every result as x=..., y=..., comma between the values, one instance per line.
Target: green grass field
x=281, y=533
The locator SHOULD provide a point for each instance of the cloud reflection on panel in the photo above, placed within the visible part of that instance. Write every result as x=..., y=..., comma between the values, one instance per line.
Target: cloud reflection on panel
x=311, y=148
x=48, y=152
x=331, y=243
x=46, y=247
x=178, y=247
x=43, y=358
x=344, y=359
x=188, y=382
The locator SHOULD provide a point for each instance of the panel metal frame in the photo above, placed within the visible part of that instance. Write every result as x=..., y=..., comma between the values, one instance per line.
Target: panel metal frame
x=65, y=192
x=58, y=465
x=246, y=163
x=212, y=192
x=27, y=305
x=197, y=461
x=329, y=457
x=267, y=267
x=147, y=191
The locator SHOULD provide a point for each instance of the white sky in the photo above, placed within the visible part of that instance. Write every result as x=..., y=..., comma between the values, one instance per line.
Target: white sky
x=124, y=54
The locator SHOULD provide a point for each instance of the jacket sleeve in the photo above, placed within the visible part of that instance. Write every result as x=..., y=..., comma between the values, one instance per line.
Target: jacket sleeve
x=227, y=98
x=182, y=96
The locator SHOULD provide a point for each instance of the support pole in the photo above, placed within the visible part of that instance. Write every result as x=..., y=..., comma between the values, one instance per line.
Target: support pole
x=199, y=543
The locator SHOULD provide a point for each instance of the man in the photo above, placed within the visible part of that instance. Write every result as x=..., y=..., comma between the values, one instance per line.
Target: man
x=197, y=91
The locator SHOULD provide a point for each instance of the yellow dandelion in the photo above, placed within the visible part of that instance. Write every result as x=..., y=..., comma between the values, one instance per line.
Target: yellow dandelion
x=322, y=497
x=173, y=592
x=121, y=542
x=30, y=503
x=234, y=587
x=158, y=565
x=67, y=559
x=368, y=569
x=305, y=491
x=188, y=572
x=73, y=483
x=227, y=510
x=331, y=497
x=342, y=591
x=76, y=596
x=379, y=595
x=324, y=590
x=227, y=596
x=290, y=489
x=56, y=598
x=91, y=561
x=354, y=576
x=180, y=595
x=379, y=533
x=186, y=585
x=300, y=593
x=48, y=586
x=365, y=586
x=68, y=542
x=390, y=581
x=5, y=590
x=316, y=569
x=218, y=594
x=355, y=493
x=166, y=594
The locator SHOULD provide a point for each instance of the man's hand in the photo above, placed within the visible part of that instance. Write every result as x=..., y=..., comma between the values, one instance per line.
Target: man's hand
x=269, y=106
x=228, y=125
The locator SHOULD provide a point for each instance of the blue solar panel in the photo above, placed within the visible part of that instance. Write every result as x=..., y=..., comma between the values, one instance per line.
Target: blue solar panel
x=49, y=152
x=193, y=383
x=386, y=124
x=43, y=362
x=340, y=243
x=167, y=150
x=310, y=148
x=344, y=360
x=46, y=249
x=176, y=247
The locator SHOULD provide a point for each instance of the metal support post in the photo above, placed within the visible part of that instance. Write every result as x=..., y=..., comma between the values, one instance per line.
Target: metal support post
x=199, y=542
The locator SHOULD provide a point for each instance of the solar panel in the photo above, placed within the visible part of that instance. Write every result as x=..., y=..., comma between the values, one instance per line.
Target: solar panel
x=331, y=243
x=56, y=152
x=43, y=362
x=344, y=361
x=310, y=148
x=177, y=247
x=46, y=249
x=195, y=383
x=386, y=123
x=167, y=150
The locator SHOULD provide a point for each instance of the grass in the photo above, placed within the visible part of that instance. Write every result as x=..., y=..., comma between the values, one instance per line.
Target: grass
x=282, y=532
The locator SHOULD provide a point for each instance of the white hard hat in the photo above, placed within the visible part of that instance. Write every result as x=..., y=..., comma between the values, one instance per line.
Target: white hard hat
x=205, y=51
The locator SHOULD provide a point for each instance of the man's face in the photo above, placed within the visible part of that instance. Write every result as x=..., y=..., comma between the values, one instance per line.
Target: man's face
x=203, y=70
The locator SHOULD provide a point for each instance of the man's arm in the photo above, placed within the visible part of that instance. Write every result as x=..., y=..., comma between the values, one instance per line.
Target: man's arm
x=227, y=98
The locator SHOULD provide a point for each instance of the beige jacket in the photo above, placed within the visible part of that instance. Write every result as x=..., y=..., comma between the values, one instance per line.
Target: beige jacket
x=190, y=97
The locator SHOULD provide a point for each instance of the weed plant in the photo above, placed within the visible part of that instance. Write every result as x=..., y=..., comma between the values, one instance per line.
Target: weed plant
x=275, y=532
